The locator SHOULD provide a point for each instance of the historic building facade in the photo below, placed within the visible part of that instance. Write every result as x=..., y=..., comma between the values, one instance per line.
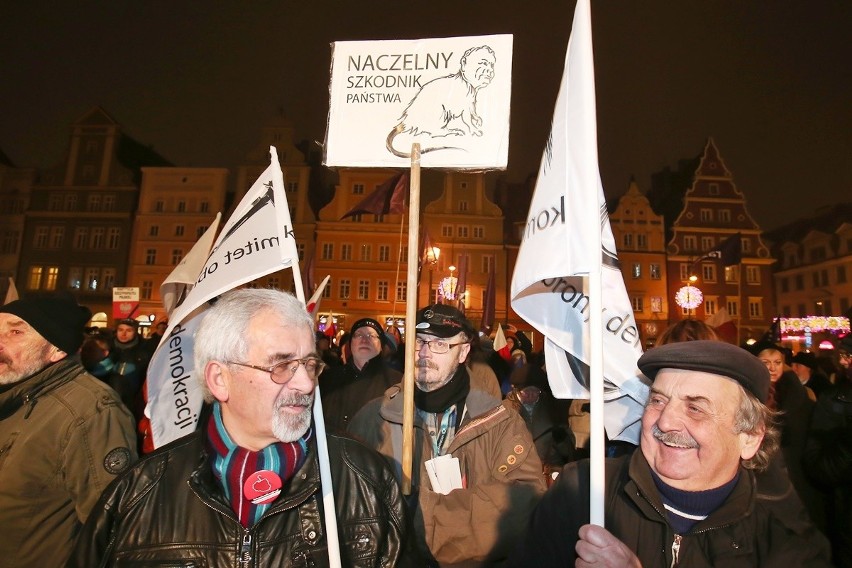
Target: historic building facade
x=80, y=217
x=813, y=278
x=15, y=184
x=714, y=211
x=176, y=206
x=641, y=245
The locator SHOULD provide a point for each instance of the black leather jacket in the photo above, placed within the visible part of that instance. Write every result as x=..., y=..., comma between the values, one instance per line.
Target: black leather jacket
x=169, y=511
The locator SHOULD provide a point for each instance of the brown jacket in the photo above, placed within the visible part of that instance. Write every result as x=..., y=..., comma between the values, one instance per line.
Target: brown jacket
x=477, y=525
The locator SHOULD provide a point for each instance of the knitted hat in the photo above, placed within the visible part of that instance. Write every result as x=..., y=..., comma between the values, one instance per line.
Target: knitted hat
x=57, y=319
x=805, y=358
x=443, y=321
x=709, y=356
x=372, y=324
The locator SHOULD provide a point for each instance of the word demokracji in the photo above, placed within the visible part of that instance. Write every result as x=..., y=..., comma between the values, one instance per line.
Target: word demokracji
x=179, y=376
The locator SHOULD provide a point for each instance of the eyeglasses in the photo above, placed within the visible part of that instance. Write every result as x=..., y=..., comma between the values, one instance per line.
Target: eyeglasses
x=438, y=346
x=367, y=336
x=281, y=373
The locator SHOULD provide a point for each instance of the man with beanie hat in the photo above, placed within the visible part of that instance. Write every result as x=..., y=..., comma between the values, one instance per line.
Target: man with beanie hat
x=130, y=355
x=687, y=496
x=470, y=515
x=64, y=435
x=345, y=389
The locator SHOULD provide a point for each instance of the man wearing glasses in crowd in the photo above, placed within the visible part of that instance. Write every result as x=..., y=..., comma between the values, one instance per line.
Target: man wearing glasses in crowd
x=476, y=473
x=244, y=489
x=365, y=376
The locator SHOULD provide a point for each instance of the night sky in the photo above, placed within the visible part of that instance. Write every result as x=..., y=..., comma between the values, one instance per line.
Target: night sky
x=769, y=80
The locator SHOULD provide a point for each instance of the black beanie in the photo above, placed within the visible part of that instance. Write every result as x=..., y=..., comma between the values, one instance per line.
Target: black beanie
x=58, y=319
x=372, y=324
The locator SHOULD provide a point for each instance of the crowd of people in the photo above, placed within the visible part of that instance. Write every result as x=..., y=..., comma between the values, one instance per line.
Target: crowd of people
x=744, y=458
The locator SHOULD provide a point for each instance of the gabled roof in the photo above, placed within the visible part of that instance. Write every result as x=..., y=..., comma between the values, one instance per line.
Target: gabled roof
x=95, y=116
x=825, y=220
x=711, y=164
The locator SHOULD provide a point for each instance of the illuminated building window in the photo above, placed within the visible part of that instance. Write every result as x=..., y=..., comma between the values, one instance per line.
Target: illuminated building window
x=34, y=277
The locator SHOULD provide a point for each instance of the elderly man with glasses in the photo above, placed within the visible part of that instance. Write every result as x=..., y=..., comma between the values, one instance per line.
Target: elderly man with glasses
x=244, y=490
x=476, y=471
x=365, y=376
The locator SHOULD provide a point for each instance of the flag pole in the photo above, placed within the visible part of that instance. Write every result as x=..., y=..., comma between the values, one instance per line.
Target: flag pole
x=319, y=425
x=739, y=299
x=410, y=315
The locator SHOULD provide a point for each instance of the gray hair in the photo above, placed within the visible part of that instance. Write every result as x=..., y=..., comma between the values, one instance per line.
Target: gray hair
x=752, y=417
x=221, y=335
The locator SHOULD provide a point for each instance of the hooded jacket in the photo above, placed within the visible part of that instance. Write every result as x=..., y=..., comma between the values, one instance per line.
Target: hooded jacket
x=501, y=473
x=170, y=511
x=64, y=435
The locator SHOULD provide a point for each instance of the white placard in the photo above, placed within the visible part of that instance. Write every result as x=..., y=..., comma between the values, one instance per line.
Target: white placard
x=450, y=95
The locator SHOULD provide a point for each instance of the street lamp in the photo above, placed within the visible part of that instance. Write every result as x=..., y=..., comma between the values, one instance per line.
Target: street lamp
x=447, y=286
x=432, y=254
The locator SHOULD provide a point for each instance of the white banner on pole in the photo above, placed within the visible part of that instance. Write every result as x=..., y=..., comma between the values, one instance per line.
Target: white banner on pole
x=550, y=285
x=257, y=240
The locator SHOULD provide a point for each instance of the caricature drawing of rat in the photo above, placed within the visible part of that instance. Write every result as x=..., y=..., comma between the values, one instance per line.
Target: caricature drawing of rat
x=446, y=106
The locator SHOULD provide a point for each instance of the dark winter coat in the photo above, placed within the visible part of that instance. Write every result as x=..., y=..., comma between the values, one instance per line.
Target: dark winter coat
x=743, y=532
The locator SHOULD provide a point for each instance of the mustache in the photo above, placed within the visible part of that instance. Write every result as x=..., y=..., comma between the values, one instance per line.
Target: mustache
x=675, y=439
x=294, y=399
x=425, y=363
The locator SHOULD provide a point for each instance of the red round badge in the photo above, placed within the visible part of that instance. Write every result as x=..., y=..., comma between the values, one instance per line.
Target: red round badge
x=262, y=487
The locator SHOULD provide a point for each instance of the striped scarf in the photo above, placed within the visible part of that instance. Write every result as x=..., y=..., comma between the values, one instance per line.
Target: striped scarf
x=232, y=465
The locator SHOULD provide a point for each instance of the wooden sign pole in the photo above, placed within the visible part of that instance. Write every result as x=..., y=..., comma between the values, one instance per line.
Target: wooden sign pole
x=410, y=315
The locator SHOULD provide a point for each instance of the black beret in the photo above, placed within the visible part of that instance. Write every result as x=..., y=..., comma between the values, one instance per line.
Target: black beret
x=57, y=319
x=709, y=356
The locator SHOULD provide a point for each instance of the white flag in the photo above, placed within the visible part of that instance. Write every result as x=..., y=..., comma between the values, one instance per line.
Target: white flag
x=11, y=292
x=314, y=303
x=177, y=284
x=550, y=282
x=257, y=240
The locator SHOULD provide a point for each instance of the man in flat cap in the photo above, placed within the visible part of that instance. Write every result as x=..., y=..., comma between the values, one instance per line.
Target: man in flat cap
x=476, y=472
x=64, y=435
x=366, y=375
x=687, y=495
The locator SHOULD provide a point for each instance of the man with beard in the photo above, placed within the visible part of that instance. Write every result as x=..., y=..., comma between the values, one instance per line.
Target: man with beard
x=472, y=515
x=687, y=496
x=244, y=490
x=64, y=435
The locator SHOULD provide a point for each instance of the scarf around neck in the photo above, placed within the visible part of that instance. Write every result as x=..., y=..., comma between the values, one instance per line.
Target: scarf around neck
x=233, y=465
x=440, y=399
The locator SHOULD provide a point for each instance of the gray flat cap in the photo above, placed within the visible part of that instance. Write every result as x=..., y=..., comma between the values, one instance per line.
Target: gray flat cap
x=715, y=357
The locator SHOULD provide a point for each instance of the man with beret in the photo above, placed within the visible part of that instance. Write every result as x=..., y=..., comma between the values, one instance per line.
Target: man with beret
x=476, y=473
x=366, y=375
x=64, y=435
x=687, y=495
